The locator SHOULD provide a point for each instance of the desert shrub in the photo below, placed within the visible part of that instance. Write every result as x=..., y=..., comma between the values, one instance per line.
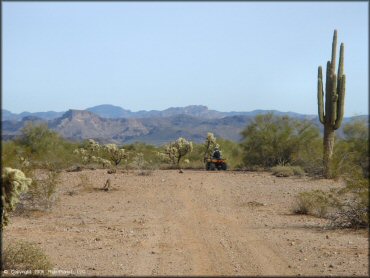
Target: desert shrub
x=351, y=214
x=351, y=163
x=353, y=211
x=15, y=156
x=273, y=140
x=14, y=183
x=42, y=193
x=39, y=138
x=143, y=167
x=316, y=202
x=282, y=171
x=287, y=171
x=44, y=148
x=309, y=156
x=346, y=208
x=149, y=152
x=298, y=171
x=23, y=255
x=351, y=153
x=231, y=151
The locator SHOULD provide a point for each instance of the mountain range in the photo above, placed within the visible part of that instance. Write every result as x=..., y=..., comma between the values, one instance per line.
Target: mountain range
x=113, y=112
x=113, y=124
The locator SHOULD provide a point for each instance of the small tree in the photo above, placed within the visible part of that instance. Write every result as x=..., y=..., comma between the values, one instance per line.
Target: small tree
x=273, y=140
x=175, y=151
x=39, y=139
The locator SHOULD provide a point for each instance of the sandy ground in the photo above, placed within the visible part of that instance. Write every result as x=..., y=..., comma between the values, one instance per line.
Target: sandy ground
x=195, y=223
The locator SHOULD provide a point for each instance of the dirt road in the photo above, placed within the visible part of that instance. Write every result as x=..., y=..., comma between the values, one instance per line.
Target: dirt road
x=195, y=223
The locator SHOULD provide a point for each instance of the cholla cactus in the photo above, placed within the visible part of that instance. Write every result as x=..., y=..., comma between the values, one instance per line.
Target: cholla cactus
x=210, y=144
x=93, y=146
x=175, y=151
x=91, y=153
x=139, y=161
x=115, y=154
x=14, y=182
x=101, y=161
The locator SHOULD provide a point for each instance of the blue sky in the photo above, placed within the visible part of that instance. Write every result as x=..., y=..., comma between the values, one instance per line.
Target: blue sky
x=237, y=56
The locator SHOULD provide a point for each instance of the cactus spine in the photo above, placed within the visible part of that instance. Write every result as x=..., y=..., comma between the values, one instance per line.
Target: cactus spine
x=331, y=115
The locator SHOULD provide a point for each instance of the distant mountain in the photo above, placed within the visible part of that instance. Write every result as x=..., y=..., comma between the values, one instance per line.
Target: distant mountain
x=113, y=112
x=160, y=129
x=110, y=111
x=49, y=115
x=81, y=124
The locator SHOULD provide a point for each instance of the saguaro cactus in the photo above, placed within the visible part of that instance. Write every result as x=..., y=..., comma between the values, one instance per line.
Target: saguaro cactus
x=332, y=115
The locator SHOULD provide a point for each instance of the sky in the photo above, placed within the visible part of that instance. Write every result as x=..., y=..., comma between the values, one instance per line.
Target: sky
x=229, y=56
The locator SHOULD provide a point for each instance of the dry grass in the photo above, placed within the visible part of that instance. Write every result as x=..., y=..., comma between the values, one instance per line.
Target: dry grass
x=22, y=256
x=287, y=171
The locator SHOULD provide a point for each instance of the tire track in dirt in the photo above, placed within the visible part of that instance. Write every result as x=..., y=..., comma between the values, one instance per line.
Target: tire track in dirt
x=228, y=246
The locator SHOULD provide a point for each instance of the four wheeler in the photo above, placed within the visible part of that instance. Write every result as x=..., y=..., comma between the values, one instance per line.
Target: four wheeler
x=213, y=164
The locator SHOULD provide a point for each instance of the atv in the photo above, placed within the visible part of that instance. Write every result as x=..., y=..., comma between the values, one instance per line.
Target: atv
x=213, y=164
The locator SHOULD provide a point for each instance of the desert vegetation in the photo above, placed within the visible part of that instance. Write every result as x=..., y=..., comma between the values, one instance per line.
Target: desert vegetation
x=283, y=146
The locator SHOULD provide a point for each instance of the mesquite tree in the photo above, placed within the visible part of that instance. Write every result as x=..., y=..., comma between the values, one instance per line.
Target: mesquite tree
x=331, y=115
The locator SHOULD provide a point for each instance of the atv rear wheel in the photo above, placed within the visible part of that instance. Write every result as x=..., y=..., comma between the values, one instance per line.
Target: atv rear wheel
x=211, y=166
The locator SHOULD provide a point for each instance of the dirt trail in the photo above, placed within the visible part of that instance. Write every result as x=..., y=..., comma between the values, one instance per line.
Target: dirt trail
x=195, y=223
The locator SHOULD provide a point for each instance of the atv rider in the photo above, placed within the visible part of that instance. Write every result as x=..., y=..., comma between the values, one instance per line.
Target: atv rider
x=216, y=153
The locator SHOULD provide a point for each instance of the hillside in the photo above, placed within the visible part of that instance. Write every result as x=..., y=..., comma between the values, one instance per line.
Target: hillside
x=191, y=122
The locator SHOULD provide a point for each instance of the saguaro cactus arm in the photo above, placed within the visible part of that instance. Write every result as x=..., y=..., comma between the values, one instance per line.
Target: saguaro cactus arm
x=340, y=103
x=320, y=96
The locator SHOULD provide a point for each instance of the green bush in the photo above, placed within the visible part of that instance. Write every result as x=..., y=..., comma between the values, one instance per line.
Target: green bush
x=38, y=147
x=23, y=255
x=273, y=140
x=351, y=153
x=149, y=153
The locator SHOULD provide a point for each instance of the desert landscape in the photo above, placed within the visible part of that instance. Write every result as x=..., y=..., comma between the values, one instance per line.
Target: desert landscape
x=192, y=223
x=185, y=139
